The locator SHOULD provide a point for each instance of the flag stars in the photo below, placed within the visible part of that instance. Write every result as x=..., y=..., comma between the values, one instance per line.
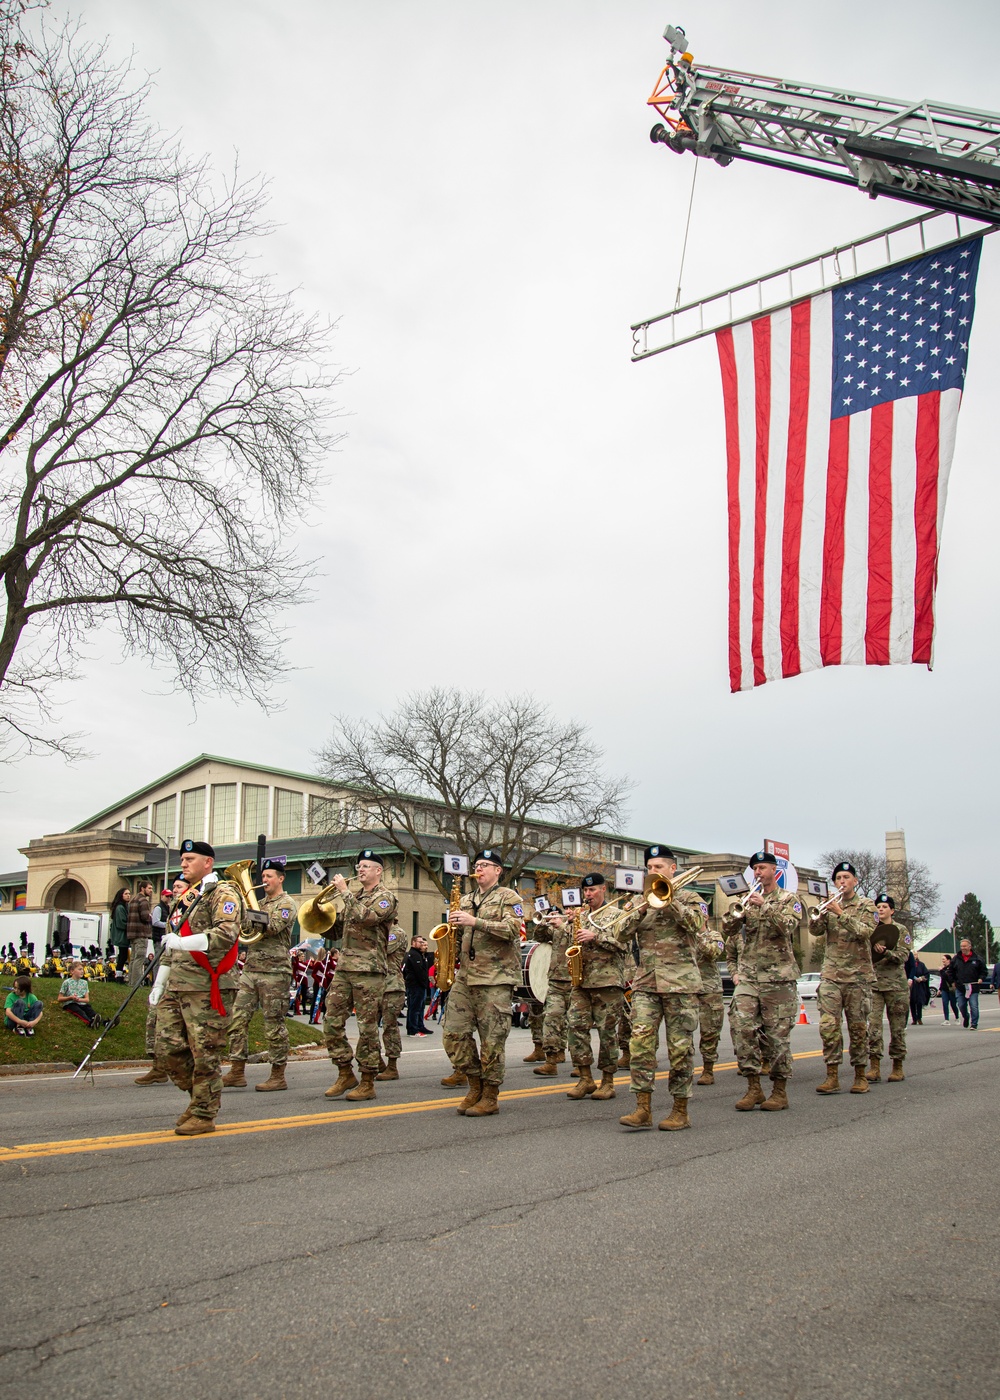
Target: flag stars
x=847, y=402
x=936, y=374
x=950, y=360
x=904, y=383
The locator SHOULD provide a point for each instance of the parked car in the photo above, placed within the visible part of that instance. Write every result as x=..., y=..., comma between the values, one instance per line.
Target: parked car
x=807, y=986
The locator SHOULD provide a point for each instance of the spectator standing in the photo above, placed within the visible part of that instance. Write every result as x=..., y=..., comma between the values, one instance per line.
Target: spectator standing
x=22, y=1010
x=969, y=972
x=140, y=930
x=119, y=927
x=416, y=976
x=159, y=915
x=948, y=997
x=918, y=977
x=74, y=995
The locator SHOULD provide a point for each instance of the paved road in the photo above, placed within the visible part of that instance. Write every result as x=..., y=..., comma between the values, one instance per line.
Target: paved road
x=846, y=1248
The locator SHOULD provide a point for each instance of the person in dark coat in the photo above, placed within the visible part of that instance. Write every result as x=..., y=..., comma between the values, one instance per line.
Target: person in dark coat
x=119, y=927
x=918, y=976
x=416, y=975
x=948, y=997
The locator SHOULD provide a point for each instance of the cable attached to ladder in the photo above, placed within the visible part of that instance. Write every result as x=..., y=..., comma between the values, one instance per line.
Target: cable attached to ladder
x=687, y=230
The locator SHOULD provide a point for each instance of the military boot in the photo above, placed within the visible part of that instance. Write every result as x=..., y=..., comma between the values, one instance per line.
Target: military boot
x=831, y=1084
x=486, y=1103
x=626, y=1060
x=677, y=1118
x=874, y=1075
x=779, y=1096
x=184, y=1116
x=765, y=1070
x=366, y=1089
x=606, y=1089
x=473, y=1096
x=454, y=1080
x=275, y=1081
x=235, y=1079
x=561, y=1057
x=345, y=1082
x=860, y=1085
x=586, y=1085
x=550, y=1067
x=388, y=1071
x=575, y=1072
x=381, y=1066
x=897, y=1072
x=706, y=1076
x=537, y=1053
x=154, y=1075
x=641, y=1118
x=753, y=1096
x=192, y=1126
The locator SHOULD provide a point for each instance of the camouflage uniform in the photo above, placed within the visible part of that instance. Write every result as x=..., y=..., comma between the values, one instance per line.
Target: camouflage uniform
x=394, y=992
x=711, y=1007
x=597, y=1002
x=666, y=987
x=359, y=980
x=762, y=1009
x=891, y=993
x=190, y=1032
x=265, y=982
x=625, y=1014
x=556, y=1011
x=846, y=979
x=536, y=1022
x=480, y=999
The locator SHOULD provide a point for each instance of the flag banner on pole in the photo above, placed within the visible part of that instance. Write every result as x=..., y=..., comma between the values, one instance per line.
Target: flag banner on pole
x=840, y=415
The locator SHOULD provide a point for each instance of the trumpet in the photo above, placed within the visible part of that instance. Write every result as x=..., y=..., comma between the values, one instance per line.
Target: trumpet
x=574, y=953
x=445, y=939
x=835, y=898
x=739, y=910
x=239, y=874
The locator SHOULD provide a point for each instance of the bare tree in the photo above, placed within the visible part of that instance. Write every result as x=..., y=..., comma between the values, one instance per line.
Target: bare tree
x=477, y=772
x=162, y=404
x=909, y=882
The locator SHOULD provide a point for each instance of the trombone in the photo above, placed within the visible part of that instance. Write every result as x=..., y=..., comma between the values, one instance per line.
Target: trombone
x=658, y=892
x=739, y=910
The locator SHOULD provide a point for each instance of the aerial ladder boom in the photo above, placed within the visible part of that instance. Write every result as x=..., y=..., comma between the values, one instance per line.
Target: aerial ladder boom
x=929, y=153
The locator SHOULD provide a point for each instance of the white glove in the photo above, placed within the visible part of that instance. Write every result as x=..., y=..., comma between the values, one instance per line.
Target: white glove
x=159, y=986
x=192, y=943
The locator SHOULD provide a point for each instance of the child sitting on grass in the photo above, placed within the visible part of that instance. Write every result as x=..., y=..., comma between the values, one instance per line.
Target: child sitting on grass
x=22, y=1010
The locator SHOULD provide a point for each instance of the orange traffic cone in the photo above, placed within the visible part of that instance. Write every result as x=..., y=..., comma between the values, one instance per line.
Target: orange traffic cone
x=803, y=1018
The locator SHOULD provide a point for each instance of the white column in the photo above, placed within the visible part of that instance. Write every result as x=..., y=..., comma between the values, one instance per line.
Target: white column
x=208, y=810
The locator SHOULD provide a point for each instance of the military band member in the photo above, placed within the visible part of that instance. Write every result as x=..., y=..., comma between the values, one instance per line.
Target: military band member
x=762, y=1010
x=846, y=979
x=536, y=1026
x=891, y=945
x=156, y=1074
x=265, y=982
x=666, y=987
x=489, y=920
x=391, y=1005
x=195, y=987
x=711, y=1013
x=625, y=1015
x=597, y=1002
x=557, y=931
x=358, y=983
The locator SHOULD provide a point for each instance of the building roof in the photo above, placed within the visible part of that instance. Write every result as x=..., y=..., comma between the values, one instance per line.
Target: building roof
x=16, y=877
x=934, y=940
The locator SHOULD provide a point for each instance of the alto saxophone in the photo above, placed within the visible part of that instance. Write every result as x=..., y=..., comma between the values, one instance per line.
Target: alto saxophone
x=574, y=953
x=445, y=940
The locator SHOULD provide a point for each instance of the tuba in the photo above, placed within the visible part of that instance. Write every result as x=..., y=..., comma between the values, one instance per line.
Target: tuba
x=445, y=939
x=574, y=953
x=239, y=874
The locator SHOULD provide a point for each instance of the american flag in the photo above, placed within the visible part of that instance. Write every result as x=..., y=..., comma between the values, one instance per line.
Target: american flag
x=840, y=425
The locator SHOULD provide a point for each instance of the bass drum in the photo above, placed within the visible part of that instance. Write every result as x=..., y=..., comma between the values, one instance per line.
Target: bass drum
x=536, y=970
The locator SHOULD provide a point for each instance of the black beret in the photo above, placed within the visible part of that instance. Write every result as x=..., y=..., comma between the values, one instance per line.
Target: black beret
x=659, y=852
x=368, y=854
x=590, y=880
x=763, y=858
x=845, y=865
x=274, y=863
x=885, y=899
x=198, y=848
x=494, y=857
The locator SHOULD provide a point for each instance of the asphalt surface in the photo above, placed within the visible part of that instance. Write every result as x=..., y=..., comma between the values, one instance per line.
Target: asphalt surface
x=845, y=1248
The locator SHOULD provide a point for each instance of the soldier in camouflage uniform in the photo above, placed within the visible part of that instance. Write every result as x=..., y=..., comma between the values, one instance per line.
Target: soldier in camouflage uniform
x=711, y=1012
x=363, y=925
x=393, y=996
x=556, y=930
x=489, y=920
x=195, y=987
x=536, y=1025
x=846, y=979
x=265, y=982
x=625, y=1015
x=762, y=1008
x=156, y=1074
x=891, y=945
x=666, y=987
x=596, y=1003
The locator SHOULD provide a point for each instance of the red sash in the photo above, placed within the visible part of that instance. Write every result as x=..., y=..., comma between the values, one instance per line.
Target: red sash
x=215, y=973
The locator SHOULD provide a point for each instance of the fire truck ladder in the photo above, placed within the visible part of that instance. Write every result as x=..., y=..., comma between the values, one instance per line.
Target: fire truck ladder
x=928, y=153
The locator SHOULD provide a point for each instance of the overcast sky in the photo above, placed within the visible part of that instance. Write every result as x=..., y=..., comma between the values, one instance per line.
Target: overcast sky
x=470, y=190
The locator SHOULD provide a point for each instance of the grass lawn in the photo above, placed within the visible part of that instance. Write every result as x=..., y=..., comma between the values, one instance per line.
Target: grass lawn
x=62, y=1037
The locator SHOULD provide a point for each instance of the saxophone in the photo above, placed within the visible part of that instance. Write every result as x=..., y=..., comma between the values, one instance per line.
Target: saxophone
x=445, y=940
x=574, y=953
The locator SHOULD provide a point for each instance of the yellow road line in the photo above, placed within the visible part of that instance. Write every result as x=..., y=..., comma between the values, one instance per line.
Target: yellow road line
x=30, y=1151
